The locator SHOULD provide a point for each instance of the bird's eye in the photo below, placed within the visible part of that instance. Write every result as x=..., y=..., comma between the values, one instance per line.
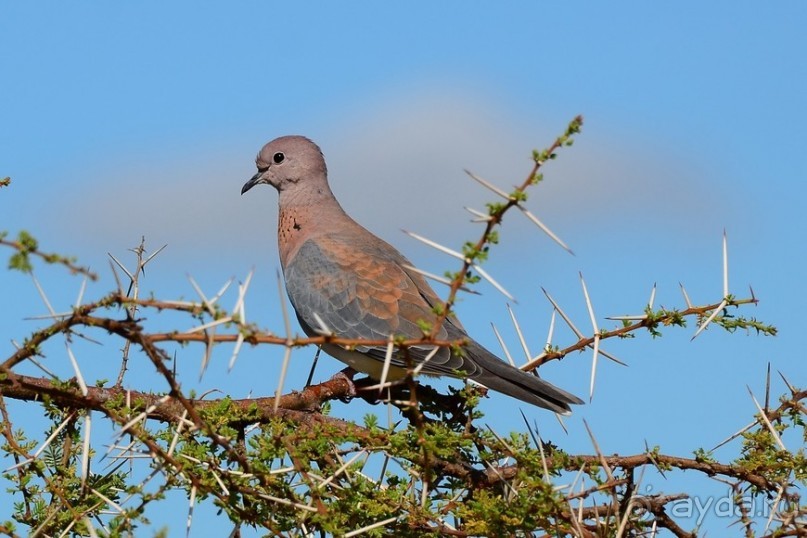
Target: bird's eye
x=278, y=157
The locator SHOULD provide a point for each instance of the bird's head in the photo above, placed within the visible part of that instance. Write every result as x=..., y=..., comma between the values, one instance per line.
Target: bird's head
x=287, y=162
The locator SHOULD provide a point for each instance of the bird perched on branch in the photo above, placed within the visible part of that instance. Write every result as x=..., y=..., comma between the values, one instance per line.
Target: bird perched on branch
x=344, y=280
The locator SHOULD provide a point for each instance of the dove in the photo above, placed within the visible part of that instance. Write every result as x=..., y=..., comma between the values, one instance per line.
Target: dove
x=342, y=279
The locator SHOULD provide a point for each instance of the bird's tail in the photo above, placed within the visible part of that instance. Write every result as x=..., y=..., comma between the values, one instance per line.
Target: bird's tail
x=497, y=375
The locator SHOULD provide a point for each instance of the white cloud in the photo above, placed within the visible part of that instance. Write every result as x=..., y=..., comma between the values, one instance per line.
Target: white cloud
x=396, y=164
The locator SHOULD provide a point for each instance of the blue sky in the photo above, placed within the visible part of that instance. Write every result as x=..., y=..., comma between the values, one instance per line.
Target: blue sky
x=144, y=119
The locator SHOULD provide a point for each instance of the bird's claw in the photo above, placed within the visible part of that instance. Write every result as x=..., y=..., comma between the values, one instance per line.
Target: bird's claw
x=347, y=374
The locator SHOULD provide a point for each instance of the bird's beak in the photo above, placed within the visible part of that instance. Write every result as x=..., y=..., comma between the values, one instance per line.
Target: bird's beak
x=257, y=178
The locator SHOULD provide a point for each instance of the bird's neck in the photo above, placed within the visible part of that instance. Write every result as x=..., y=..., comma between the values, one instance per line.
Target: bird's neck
x=303, y=217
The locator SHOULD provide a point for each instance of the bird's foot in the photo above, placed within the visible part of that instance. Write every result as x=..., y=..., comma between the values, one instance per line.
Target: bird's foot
x=347, y=374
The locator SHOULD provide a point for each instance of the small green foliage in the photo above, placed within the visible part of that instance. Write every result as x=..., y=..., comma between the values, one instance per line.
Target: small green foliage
x=762, y=454
x=731, y=323
x=704, y=456
x=370, y=421
x=458, y=349
x=20, y=260
x=399, y=339
x=564, y=140
x=26, y=246
x=473, y=253
x=573, y=128
x=518, y=195
x=467, y=278
x=654, y=454
x=540, y=156
x=662, y=317
x=439, y=308
x=51, y=486
x=495, y=208
x=424, y=326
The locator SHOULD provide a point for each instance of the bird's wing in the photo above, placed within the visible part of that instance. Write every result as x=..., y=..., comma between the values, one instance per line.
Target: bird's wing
x=361, y=290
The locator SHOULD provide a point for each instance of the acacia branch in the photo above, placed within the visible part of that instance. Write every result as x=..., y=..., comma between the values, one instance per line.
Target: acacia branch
x=255, y=336
x=666, y=318
x=297, y=406
x=496, y=214
x=28, y=246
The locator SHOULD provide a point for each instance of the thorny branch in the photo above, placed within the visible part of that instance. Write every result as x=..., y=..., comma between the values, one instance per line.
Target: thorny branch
x=299, y=408
x=496, y=212
x=302, y=407
x=26, y=246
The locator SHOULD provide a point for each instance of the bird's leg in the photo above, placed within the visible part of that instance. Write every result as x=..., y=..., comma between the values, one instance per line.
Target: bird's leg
x=313, y=367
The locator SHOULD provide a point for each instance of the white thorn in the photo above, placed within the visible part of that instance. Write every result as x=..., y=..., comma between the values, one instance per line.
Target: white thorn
x=563, y=315
x=81, y=292
x=323, y=328
x=387, y=362
x=481, y=217
x=79, y=378
x=545, y=229
x=519, y=332
x=44, y=297
x=119, y=264
x=594, y=367
x=284, y=369
x=435, y=245
x=767, y=422
x=549, y=335
x=725, y=265
x=426, y=360
x=436, y=278
x=712, y=316
x=686, y=296
x=85, y=450
x=154, y=254
x=504, y=346
x=208, y=325
x=236, y=349
x=488, y=185
x=588, y=305
x=495, y=284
